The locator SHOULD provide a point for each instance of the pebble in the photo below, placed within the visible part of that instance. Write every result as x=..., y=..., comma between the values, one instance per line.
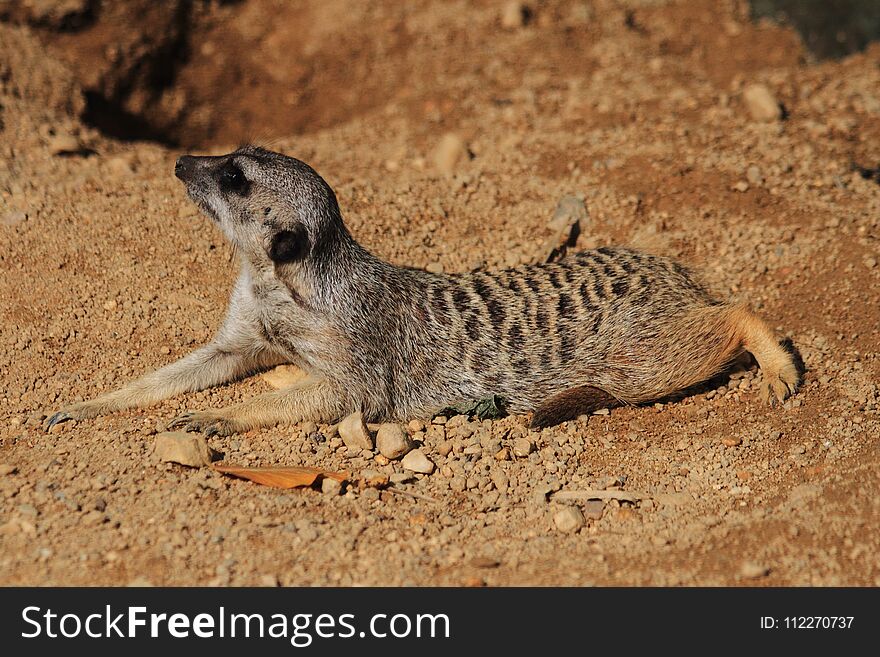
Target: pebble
x=392, y=441
x=416, y=425
x=435, y=268
x=64, y=144
x=513, y=15
x=569, y=519
x=401, y=478
x=728, y=441
x=269, y=580
x=331, y=487
x=450, y=150
x=500, y=479
x=418, y=462
x=752, y=570
x=120, y=166
x=354, y=433
x=753, y=175
x=761, y=103
x=569, y=210
x=13, y=218
x=593, y=509
x=522, y=447
x=6, y=469
x=184, y=448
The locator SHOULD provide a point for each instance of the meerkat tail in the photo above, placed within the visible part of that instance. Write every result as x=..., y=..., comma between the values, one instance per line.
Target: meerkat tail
x=706, y=341
x=780, y=375
x=571, y=403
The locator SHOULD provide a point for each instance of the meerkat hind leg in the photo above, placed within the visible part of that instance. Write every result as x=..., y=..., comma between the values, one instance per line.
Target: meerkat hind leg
x=571, y=403
x=308, y=400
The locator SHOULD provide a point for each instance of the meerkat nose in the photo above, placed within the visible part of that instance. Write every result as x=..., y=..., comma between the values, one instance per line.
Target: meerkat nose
x=184, y=166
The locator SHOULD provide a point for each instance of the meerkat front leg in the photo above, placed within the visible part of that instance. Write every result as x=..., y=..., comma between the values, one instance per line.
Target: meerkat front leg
x=311, y=399
x=213, y=364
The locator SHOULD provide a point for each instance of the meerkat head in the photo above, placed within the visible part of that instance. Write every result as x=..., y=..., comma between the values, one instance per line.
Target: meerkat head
x=273, y=208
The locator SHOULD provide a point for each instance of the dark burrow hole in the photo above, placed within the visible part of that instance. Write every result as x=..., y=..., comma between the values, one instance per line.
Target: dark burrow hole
x=115, y=121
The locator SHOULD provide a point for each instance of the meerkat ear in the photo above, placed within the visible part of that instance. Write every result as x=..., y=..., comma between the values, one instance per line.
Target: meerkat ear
x=290, y=245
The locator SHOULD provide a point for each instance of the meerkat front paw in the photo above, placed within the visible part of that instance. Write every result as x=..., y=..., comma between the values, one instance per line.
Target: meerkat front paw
x=211, y=423
x=779, y=386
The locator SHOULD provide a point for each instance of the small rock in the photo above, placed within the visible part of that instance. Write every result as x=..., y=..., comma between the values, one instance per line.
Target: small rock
x=729, y=441
x=64, y=144
x=449, y=152
x=185, y=448
x=569, y=519
x=522, y=447
x=513, y=15
x=401, y=478
x=435, y=268
x=593, y=509
x=269, y=580
x=741, y=186
x=392, y=441
x=331, y=487
x=568, y=220
x=500, y=479
x=418, y=462
x=761, y=103
x=416, y=425
x=140, y=582
x=13, y=218
x=485, y=562
x=752, y=570
x=6, y=469
x=753, y=175
x=354, y=433
x=373, y=479
x=120, y=166
x=569, y=210
x=444, y=448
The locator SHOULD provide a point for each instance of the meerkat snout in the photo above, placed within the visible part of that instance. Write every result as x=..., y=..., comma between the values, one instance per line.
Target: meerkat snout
x=184, y=166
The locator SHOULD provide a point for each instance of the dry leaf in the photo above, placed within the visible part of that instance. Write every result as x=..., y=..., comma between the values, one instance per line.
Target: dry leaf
x=281, y=477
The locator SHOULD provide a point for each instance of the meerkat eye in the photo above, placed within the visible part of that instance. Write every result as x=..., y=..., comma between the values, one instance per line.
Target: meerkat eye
x=232, y=179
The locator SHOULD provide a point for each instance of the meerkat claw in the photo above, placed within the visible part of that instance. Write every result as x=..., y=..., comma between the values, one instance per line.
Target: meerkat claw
x=180, y=421
x=211, y=424
x=58, y=418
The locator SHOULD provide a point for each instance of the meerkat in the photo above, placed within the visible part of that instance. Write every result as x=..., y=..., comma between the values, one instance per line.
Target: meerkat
x=599, y=328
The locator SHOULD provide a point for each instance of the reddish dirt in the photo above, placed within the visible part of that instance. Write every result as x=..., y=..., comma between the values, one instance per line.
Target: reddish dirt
x=108, y=271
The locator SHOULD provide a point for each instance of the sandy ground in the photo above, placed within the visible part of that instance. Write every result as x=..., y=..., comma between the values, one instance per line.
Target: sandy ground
x=640, y=107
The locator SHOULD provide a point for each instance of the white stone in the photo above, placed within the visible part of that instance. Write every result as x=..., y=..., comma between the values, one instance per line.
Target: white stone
x=354, y=433
x=418, y=462
x=392, y=441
